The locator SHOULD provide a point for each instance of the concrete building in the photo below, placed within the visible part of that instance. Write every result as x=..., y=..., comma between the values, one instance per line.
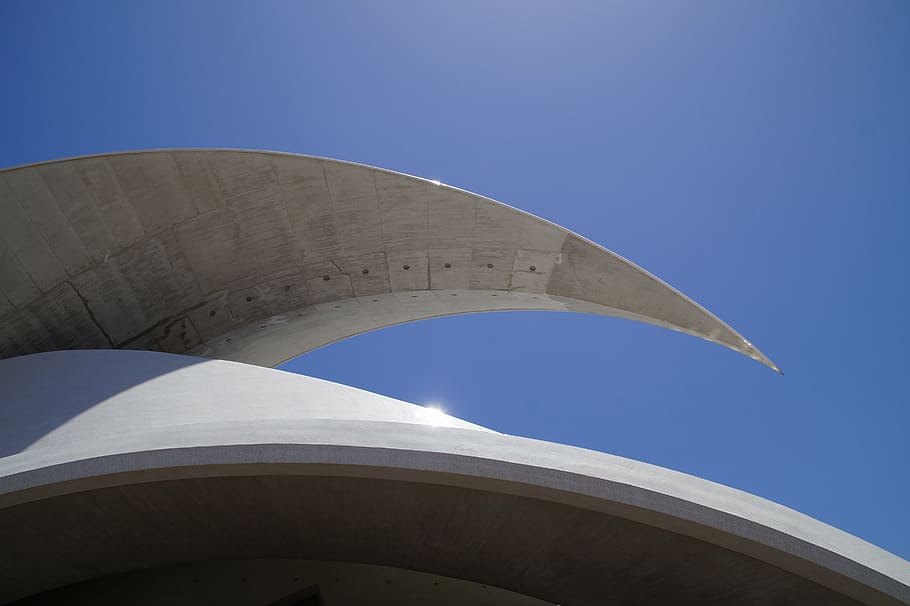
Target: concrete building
x=149, y=454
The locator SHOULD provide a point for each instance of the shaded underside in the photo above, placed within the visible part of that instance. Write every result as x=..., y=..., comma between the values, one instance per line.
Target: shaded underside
x=179, y=250
x=279, y=582
x=557, y=553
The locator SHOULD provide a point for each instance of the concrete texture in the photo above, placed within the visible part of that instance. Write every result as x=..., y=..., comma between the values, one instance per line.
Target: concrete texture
x=144, y=473
x=187, y=459
x=258, y=257
x=272, y=582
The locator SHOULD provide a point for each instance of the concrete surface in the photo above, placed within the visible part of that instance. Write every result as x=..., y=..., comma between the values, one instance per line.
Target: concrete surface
x=225, y=253
x=272, y=582
x=164, y=467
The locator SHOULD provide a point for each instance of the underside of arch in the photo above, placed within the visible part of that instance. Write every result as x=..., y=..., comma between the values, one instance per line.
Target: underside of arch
x=195, y=250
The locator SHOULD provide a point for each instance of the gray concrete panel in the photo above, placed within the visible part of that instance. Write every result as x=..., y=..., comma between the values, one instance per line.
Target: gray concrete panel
x=181, y=250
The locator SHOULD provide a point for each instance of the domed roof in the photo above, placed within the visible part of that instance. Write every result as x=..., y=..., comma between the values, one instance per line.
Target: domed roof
x=173, y=459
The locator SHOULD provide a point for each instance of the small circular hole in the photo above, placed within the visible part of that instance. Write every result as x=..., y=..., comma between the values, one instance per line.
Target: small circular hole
x=405, y=267
x=287, y=287
x=366, y=271
x=448, y=265
x=248, y=299
x=489, y=265
x=212, y=313
x=532, y=268
x=326, y=278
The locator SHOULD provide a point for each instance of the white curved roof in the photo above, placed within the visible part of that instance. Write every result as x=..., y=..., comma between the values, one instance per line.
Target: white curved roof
x=155, y=394
x=259, y=256
x=174, y=450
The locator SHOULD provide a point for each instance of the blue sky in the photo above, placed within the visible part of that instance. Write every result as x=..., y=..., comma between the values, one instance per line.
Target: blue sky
x=756, y=155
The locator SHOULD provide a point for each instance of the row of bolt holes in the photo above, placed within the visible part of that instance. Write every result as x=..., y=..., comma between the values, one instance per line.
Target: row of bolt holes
x=407, y=267
x=366, y=271
x=212, y=313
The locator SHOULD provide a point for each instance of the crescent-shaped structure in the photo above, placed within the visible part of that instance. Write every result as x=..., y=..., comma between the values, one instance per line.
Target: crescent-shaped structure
x=258, y=257
x=188, y=473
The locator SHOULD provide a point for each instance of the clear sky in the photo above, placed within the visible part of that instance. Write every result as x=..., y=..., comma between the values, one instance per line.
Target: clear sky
x=756, y=155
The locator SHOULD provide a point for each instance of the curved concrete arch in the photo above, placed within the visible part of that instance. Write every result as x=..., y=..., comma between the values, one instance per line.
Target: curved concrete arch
x=260, y=256
x=165, y=469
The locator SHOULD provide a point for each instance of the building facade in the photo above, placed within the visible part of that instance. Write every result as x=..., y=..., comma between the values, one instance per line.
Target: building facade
x=150, y=452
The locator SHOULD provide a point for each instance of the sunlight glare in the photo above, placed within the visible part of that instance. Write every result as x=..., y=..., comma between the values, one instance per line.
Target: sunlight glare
x=435, y=415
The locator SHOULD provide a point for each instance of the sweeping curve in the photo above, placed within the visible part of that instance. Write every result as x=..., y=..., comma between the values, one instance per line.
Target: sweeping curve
x=183, y=459
x=260, y=256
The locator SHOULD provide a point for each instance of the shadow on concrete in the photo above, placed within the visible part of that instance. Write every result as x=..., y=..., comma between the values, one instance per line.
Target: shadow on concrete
x=67, y=385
